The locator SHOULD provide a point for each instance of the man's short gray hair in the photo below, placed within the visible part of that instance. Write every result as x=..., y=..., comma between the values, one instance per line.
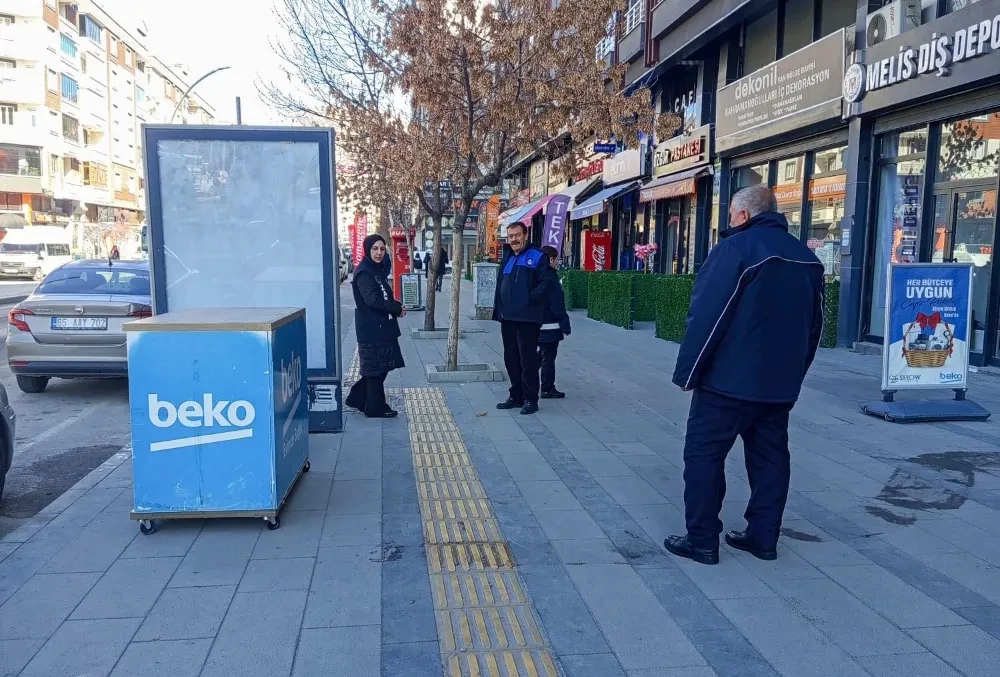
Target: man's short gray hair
x=755, y=200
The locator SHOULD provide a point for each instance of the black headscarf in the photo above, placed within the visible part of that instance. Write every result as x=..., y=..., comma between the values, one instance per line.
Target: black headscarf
x=379, y=269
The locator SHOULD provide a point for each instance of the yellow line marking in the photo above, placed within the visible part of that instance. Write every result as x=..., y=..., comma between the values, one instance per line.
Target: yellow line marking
x=486, y=623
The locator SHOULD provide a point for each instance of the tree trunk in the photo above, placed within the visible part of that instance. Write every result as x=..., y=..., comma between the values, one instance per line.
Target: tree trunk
x=457, y=275
x=432, y=275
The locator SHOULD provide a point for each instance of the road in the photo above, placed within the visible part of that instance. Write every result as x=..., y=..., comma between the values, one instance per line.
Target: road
x=62, y=433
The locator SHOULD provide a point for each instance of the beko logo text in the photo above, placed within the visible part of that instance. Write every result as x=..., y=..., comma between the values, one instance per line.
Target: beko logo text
x=208, y=413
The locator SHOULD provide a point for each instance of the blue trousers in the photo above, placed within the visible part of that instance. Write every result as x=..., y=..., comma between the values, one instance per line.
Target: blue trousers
x=714, y=423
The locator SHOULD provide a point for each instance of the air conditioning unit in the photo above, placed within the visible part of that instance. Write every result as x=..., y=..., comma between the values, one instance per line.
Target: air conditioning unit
x=894, y=19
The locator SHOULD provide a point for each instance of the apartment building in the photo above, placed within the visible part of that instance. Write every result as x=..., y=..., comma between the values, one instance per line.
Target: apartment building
x=75, y=88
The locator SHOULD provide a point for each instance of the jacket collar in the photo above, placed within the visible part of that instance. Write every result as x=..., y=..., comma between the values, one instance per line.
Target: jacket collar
x=762, y=220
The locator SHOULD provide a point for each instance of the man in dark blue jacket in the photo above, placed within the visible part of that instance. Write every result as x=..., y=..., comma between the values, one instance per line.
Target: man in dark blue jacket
x=555, y=327
x=755, y=322
x=521, y=295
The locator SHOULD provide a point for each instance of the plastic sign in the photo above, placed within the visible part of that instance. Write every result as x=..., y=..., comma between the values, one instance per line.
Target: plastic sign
x=209, y=413
x=927, y=322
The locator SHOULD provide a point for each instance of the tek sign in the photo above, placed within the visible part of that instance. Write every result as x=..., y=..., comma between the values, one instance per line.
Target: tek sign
x=936, y=56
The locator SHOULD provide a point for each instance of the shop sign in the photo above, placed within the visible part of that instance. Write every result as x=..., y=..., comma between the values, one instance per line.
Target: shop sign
x=927, y=319
x=682, y=152
x=589, y=170
x=609, y=147
x=668, y=191
x=629, y=164
x=801, y=89
x=931, y=59
x=828, y=187
x=555, y=222
x=539, y=181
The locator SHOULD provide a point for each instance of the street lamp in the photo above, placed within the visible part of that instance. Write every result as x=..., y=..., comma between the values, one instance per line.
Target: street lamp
x=196, y=83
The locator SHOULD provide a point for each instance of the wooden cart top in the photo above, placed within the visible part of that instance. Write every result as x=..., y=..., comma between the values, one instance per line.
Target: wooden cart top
x=218, y=319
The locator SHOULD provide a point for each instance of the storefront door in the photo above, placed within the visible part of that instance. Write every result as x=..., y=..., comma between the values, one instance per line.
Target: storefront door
x=964, y=229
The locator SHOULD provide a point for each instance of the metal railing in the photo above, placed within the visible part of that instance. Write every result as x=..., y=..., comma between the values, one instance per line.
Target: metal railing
x=605, y=46
x=635, y=15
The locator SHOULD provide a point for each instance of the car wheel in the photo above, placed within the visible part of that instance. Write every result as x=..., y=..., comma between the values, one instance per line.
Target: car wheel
x=38, y=276
x=32, y=384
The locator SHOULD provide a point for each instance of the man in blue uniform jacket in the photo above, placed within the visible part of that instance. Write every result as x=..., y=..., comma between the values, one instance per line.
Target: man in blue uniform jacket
x=755, y=322
x=521, y=295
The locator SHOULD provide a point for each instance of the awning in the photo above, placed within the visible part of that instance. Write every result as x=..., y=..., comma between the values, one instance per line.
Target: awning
x=514, y=215
x=535, y=207
x=578, y=189
x=673, y=185
x=595, y=205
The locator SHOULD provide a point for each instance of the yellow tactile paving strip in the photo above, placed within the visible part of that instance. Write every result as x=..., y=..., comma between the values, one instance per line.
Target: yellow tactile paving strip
x=353, y=372
x=486, y=625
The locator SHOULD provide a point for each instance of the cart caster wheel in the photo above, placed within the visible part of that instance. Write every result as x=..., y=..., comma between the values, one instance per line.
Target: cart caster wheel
x=147, y=527
x=307, y=467
x=272, y=523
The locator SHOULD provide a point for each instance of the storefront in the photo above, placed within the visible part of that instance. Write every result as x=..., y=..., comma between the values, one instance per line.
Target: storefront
x=628, y=219
x=931, y=98
x=681, y=180
x=782, y=126
x=589, y=171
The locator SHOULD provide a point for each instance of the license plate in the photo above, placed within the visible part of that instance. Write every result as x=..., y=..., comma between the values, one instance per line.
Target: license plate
x=11, y=270
x=82, y=323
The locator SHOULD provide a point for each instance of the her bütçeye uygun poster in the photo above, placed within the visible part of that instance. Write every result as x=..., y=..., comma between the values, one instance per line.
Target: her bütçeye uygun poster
x=928, y=317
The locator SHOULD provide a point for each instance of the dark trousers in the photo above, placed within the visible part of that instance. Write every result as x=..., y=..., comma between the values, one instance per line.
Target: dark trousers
x=520, y=356
x=440, y=279
x=547, y=356
x=714, y=422
x=368, y=395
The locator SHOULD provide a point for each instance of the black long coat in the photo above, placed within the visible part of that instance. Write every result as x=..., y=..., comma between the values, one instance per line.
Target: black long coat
x=375, y=321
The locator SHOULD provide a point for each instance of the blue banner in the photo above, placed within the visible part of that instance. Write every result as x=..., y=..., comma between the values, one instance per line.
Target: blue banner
x=928, y=317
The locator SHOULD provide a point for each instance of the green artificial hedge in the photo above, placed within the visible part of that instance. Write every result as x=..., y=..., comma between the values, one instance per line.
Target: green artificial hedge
x=611, y=298
x=831, y=315
x=647, y=295
x=673, y=299
x=575, y=286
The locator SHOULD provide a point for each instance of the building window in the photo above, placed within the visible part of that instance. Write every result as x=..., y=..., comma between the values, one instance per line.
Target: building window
x=837, y=14
x=757, y=175
x=70, y=165
x=827, y=197
x=53, y=81
x=71, y=128
x=761, y=43
x=788, y=192
x=20, y=160
x=83, y=64
x=70, y=90
x=68, y=12
x=898, y=218
x=140, y=95
x=67, y=45
x=90, y=28
x=969, y=150
x=54, y=165
x=7, y=111
x=797, y=31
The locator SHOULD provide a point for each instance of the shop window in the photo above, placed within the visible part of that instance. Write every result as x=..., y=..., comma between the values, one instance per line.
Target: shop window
x=20, y=160
x=797, y=31
x=788, y=192
x=827, y=195
x=970, y=149
x=757, y=175
x=837, y=14
x=898, y=218
x=761, y=42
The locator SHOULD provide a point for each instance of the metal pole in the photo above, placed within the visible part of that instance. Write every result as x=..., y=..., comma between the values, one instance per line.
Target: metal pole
x=239, y=112
x=196, y=83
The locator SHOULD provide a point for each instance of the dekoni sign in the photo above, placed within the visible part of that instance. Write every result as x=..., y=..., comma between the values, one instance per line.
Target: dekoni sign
x=958, y=49
x=799, y=90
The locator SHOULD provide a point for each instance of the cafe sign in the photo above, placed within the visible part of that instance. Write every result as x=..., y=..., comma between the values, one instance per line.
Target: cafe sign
x=682, y=152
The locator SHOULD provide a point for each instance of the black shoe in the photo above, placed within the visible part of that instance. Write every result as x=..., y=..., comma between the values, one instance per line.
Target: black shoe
x=390, y=413
x=529, y=408
x=681, y=546
x=552, y=394
x=739, y=540
x=511, y=403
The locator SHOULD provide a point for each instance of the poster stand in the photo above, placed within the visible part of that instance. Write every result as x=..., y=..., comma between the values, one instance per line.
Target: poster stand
x=928, y=320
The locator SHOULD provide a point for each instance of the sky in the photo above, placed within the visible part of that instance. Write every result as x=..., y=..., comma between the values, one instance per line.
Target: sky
x=207, y=34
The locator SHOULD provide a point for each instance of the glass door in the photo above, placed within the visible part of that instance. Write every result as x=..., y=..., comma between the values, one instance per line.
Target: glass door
x=964, y=229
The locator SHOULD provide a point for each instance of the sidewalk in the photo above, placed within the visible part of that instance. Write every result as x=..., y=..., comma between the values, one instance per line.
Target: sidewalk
x=461, y=540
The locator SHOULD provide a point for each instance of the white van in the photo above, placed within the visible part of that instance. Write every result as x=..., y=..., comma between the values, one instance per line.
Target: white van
x=34, y=251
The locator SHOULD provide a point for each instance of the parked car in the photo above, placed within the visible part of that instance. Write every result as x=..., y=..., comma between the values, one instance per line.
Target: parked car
x=7, y=420
x=71, y=325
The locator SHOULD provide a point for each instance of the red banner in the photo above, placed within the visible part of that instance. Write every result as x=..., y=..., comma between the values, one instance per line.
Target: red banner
x=359, y=231
x=596, y=249
x=400, y=261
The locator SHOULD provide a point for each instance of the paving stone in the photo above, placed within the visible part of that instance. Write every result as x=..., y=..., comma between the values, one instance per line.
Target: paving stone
x=258, y=635
x=605, y=464
x=551, y=495
x=413, y=659
x=674, y=672
x=568, y=524
x=907, y=665
x=186, y=613
x=355, y=497
x=630, y=449
x=631, y=491
x=592, y=665
x=219, y=554
x=128, y=589
x=787, y=640
x=639, y=630
x=902, y=604
x=845, y=620
x=359, y=464
x=407, y=612
x=175, y=658
x=346, y=588
x=967, y=648
x=173, y=538
x=7, y=548
x=986, y=618
x=323, y=652
x=96, y=547
x=727, y=580
x=311, y=492
x=272, y=575
x=587, y=551
x=684, y=601
x=298, y=536
x=974, y=574
x=570, y=627
x=83, y=647
x=926, y=579
x=730, y=654
x=527, y=467
x=399, y=494
x=15, y=654
x=40, y=605
x=788, y=567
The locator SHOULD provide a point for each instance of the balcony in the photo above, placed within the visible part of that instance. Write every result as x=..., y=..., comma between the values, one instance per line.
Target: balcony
x=22, y=85
x=21, y=41
x=20, y=169
x=22, y=133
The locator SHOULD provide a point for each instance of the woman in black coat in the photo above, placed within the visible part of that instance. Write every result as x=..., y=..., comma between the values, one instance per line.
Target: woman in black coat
x=377, y=330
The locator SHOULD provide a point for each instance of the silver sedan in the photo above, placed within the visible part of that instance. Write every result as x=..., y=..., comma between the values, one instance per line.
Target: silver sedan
x=71, y=325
